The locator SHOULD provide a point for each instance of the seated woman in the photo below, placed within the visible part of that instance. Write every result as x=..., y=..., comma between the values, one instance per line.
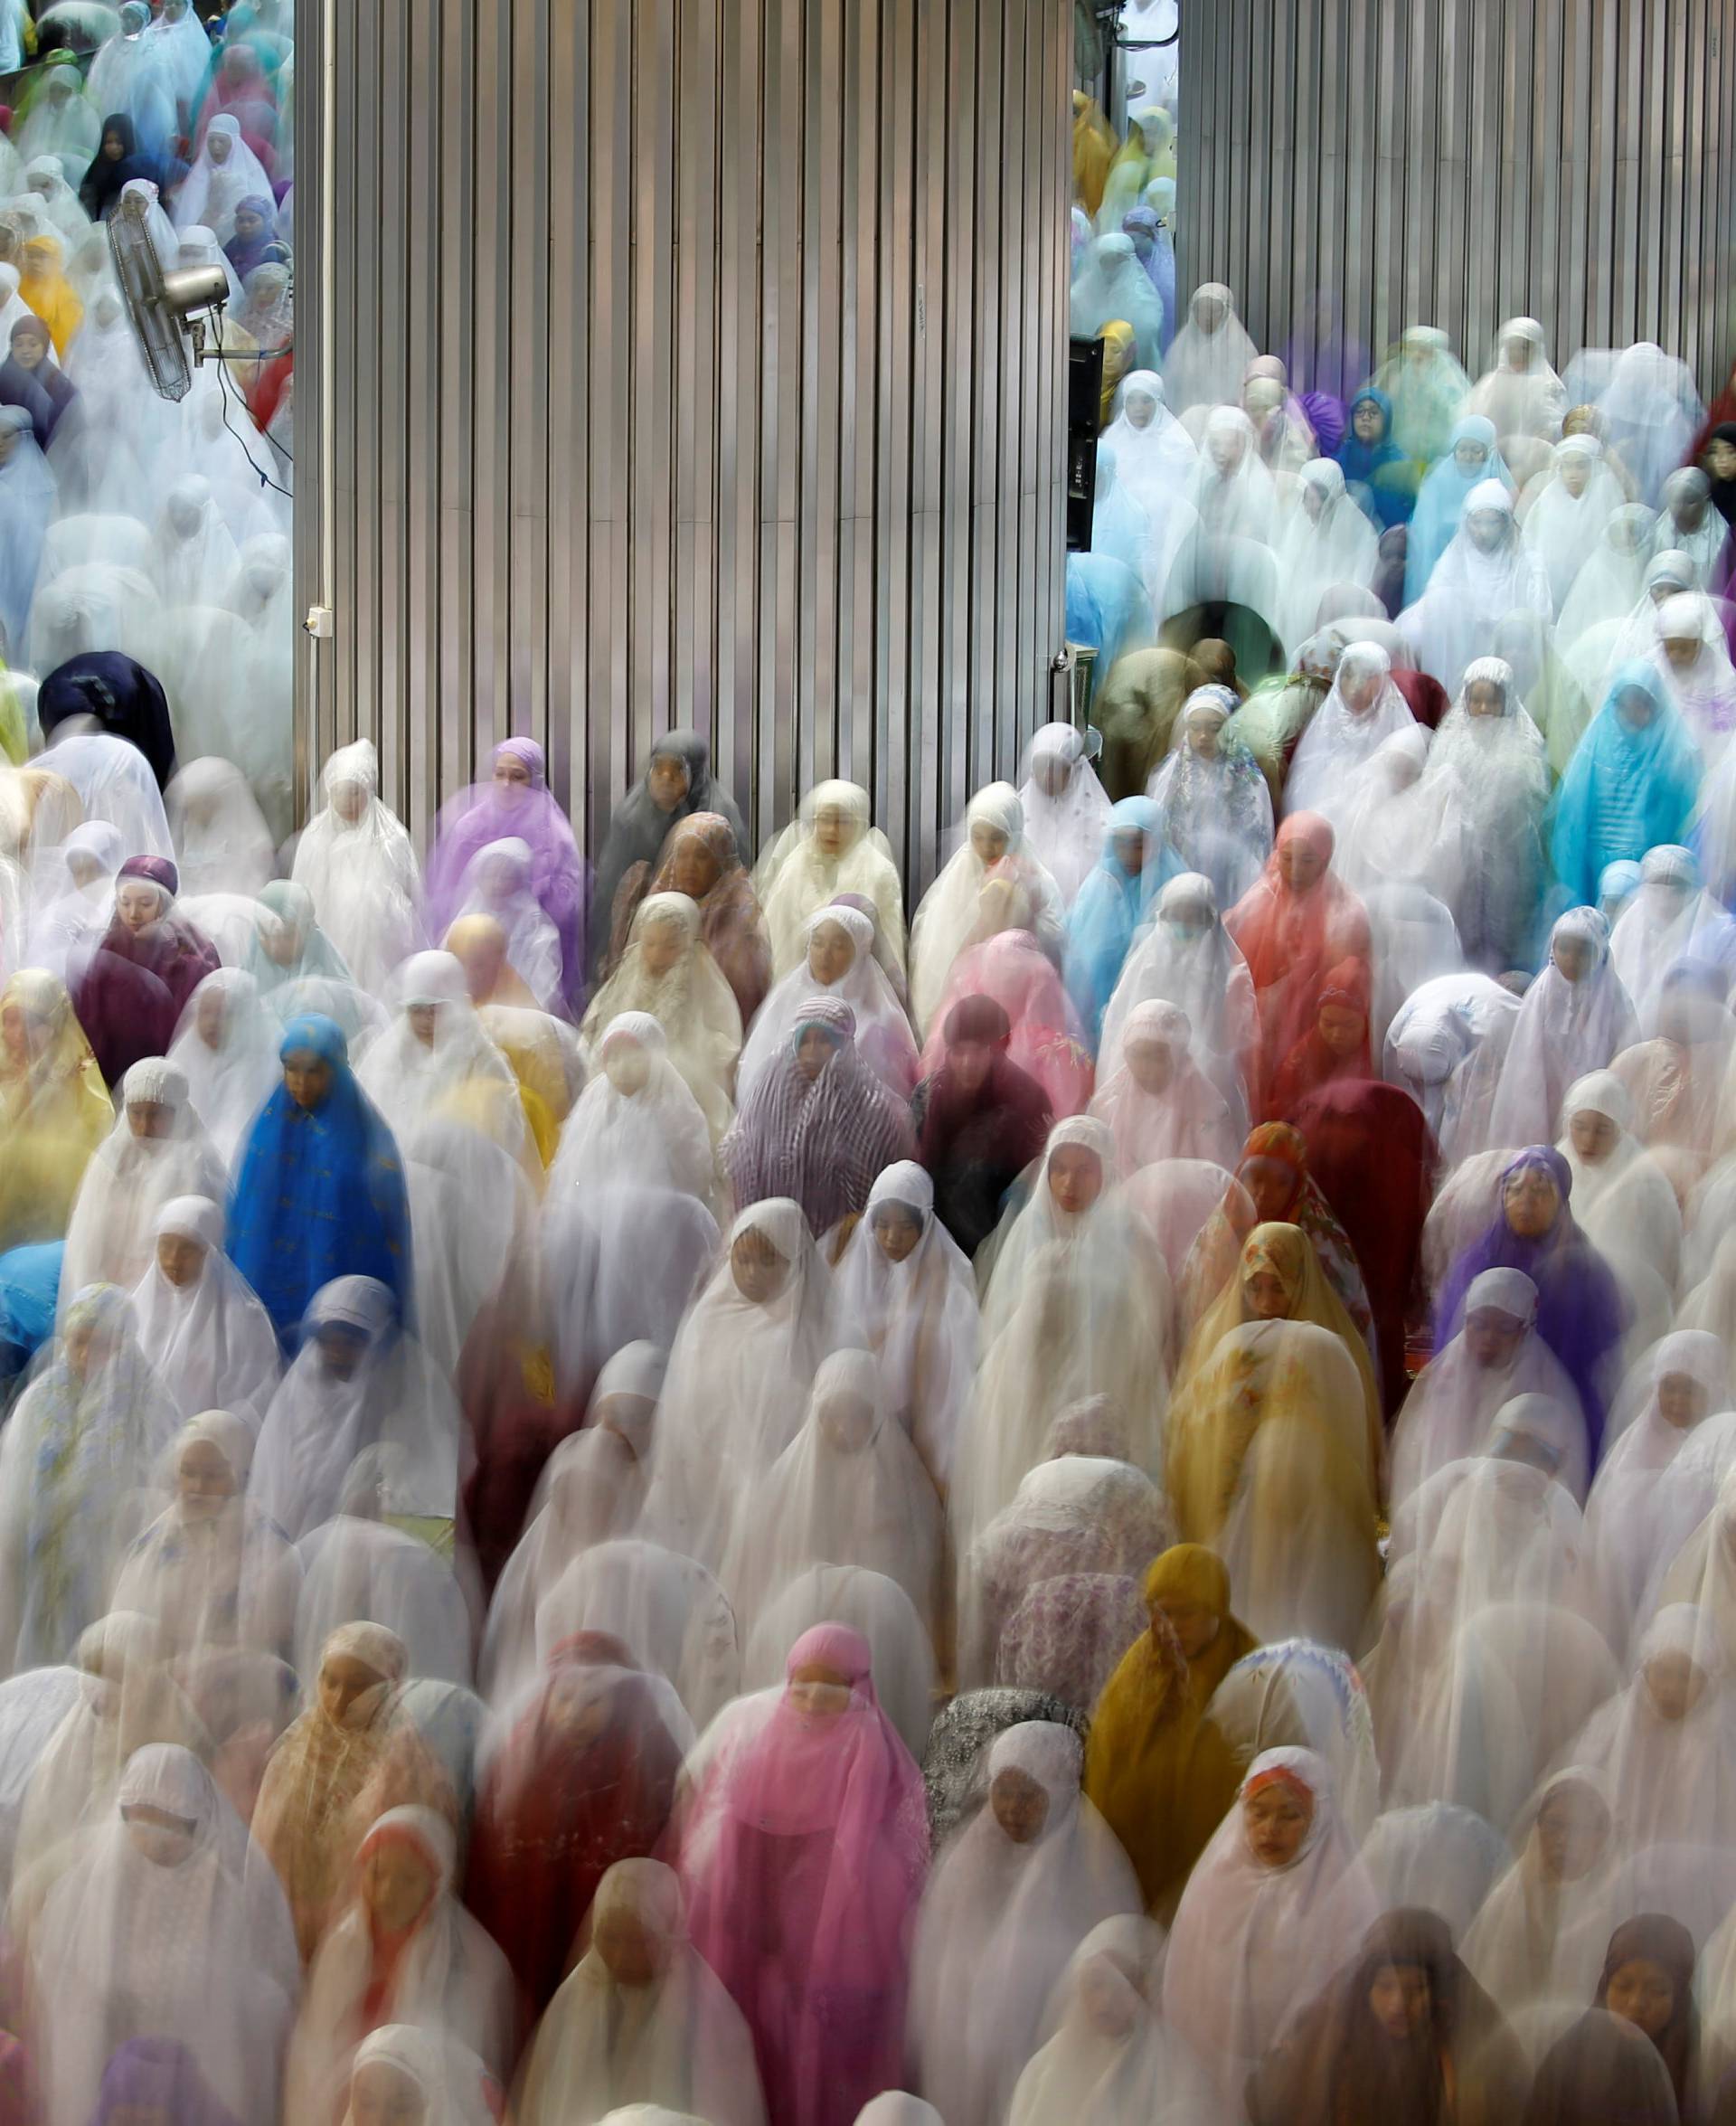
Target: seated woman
x=1270, y=1915
x=1293, y=928
x=840, y=963
x=1576, y=1017
x=211, y=1570
x=400, y=1950
x=903, y=1279
x=1495, y=1356
x=200, y=1327
x=980, y=1120
x=1582, y=1311
x=77, y=1457
x=1403, y=2032
x=581, y=1786
x=832, y=848
x=642, y=2020
x=145, y=968
x=436, y=1059
x=803, y=1860
x=226, y=1048
x=677, y=787
x=1014, y=1893
x=359, y=865
x=992, y=845
x=1272, y=1183
x=1274, y=1449
x=1159, y=1772
x=353, y=1754
x=1216, y=807
x=667, y=971
x=702, y=858
x=635, y=1121
x=1113, y=905
x=156, y=1150
x=319, y=1188
x=514, y=804
x=1047, y=1040
x=817, y=1126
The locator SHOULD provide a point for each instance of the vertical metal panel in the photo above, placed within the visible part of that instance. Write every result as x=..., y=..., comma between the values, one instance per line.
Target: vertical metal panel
x=696, y=361
x=1573, y=159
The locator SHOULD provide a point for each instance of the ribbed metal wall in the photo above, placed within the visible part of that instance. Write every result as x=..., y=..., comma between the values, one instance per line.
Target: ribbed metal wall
x=1458, y=161
x=694, y=361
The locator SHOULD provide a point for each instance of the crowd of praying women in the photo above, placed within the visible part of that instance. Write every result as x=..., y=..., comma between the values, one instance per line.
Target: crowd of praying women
x=1094, y=1482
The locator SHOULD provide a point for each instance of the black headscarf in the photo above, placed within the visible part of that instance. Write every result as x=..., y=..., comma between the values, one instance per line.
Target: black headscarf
x=125, y=700
x=103, y=183
x=45, y=392
x=640, y=826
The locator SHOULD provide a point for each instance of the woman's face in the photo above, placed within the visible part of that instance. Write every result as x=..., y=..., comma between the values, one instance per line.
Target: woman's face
x=988, y=841
x=897, y=1228
x=14, y=1031
x=1682, y=1401
x=1369, y=421
x=308, y=1079
x=1573, y=957
x=627, y=1945
x=1575, y=473
x=667, y=780
x=695, y=868
x=1271, y=1184
x=203, y=1481
x=1532, y=1202
x=1202, y=737
x=1674, y=1682
x=1492, y=1338
x=1682, y=650
x=343, y=1681
x=1398, y=1999
x=834, y=830
x=1264, y=1295
x=1487, y=528
x=1571, y=1829
x=660, y=947
x=397, y=1886
x=1105, y=1999
x=137, y=902
x=1636, y=708
x=1151, y=1064
x=817, y=1692
x=249, y=226
x=627, y=1066
x=349, y=800
x=114, y=148
x=1195, y=1625
x=831, y=953
x=182, y=1259
x=1075, y=1178
x=813, y=1050
x=150, y=1119
x=29, y=346
x=162, y=1838
x=1300, y=863
x=424, y=1021
x=220, y=144
x=87, y=1347
x=1642, y=1993
x=1720, y=459
x=512, y=777
x=759, y=1271
x=1276, y=1820
x=1483, y=697
x=969, y=1064
x=1129, y=850
x=1020, y=1805
x=1471, y=457
x=1141, y=410
x=1228, y=447
x=1342, y=1028
x=1594, y=1136
x=383, y=2094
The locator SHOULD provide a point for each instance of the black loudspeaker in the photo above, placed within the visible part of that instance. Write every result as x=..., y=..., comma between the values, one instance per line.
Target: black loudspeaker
x=1084, y=402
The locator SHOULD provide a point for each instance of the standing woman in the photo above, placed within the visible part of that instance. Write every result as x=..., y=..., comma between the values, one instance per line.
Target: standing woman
x=319, y=1191
x=702, y=858
x=515, y=805
x=1631, y=783
x=667, y=972
x=803, y=1861
x=54, y=1109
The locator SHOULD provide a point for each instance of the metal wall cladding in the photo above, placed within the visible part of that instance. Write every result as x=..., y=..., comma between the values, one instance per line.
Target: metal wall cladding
x=693, y=361
x=1459, y=161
